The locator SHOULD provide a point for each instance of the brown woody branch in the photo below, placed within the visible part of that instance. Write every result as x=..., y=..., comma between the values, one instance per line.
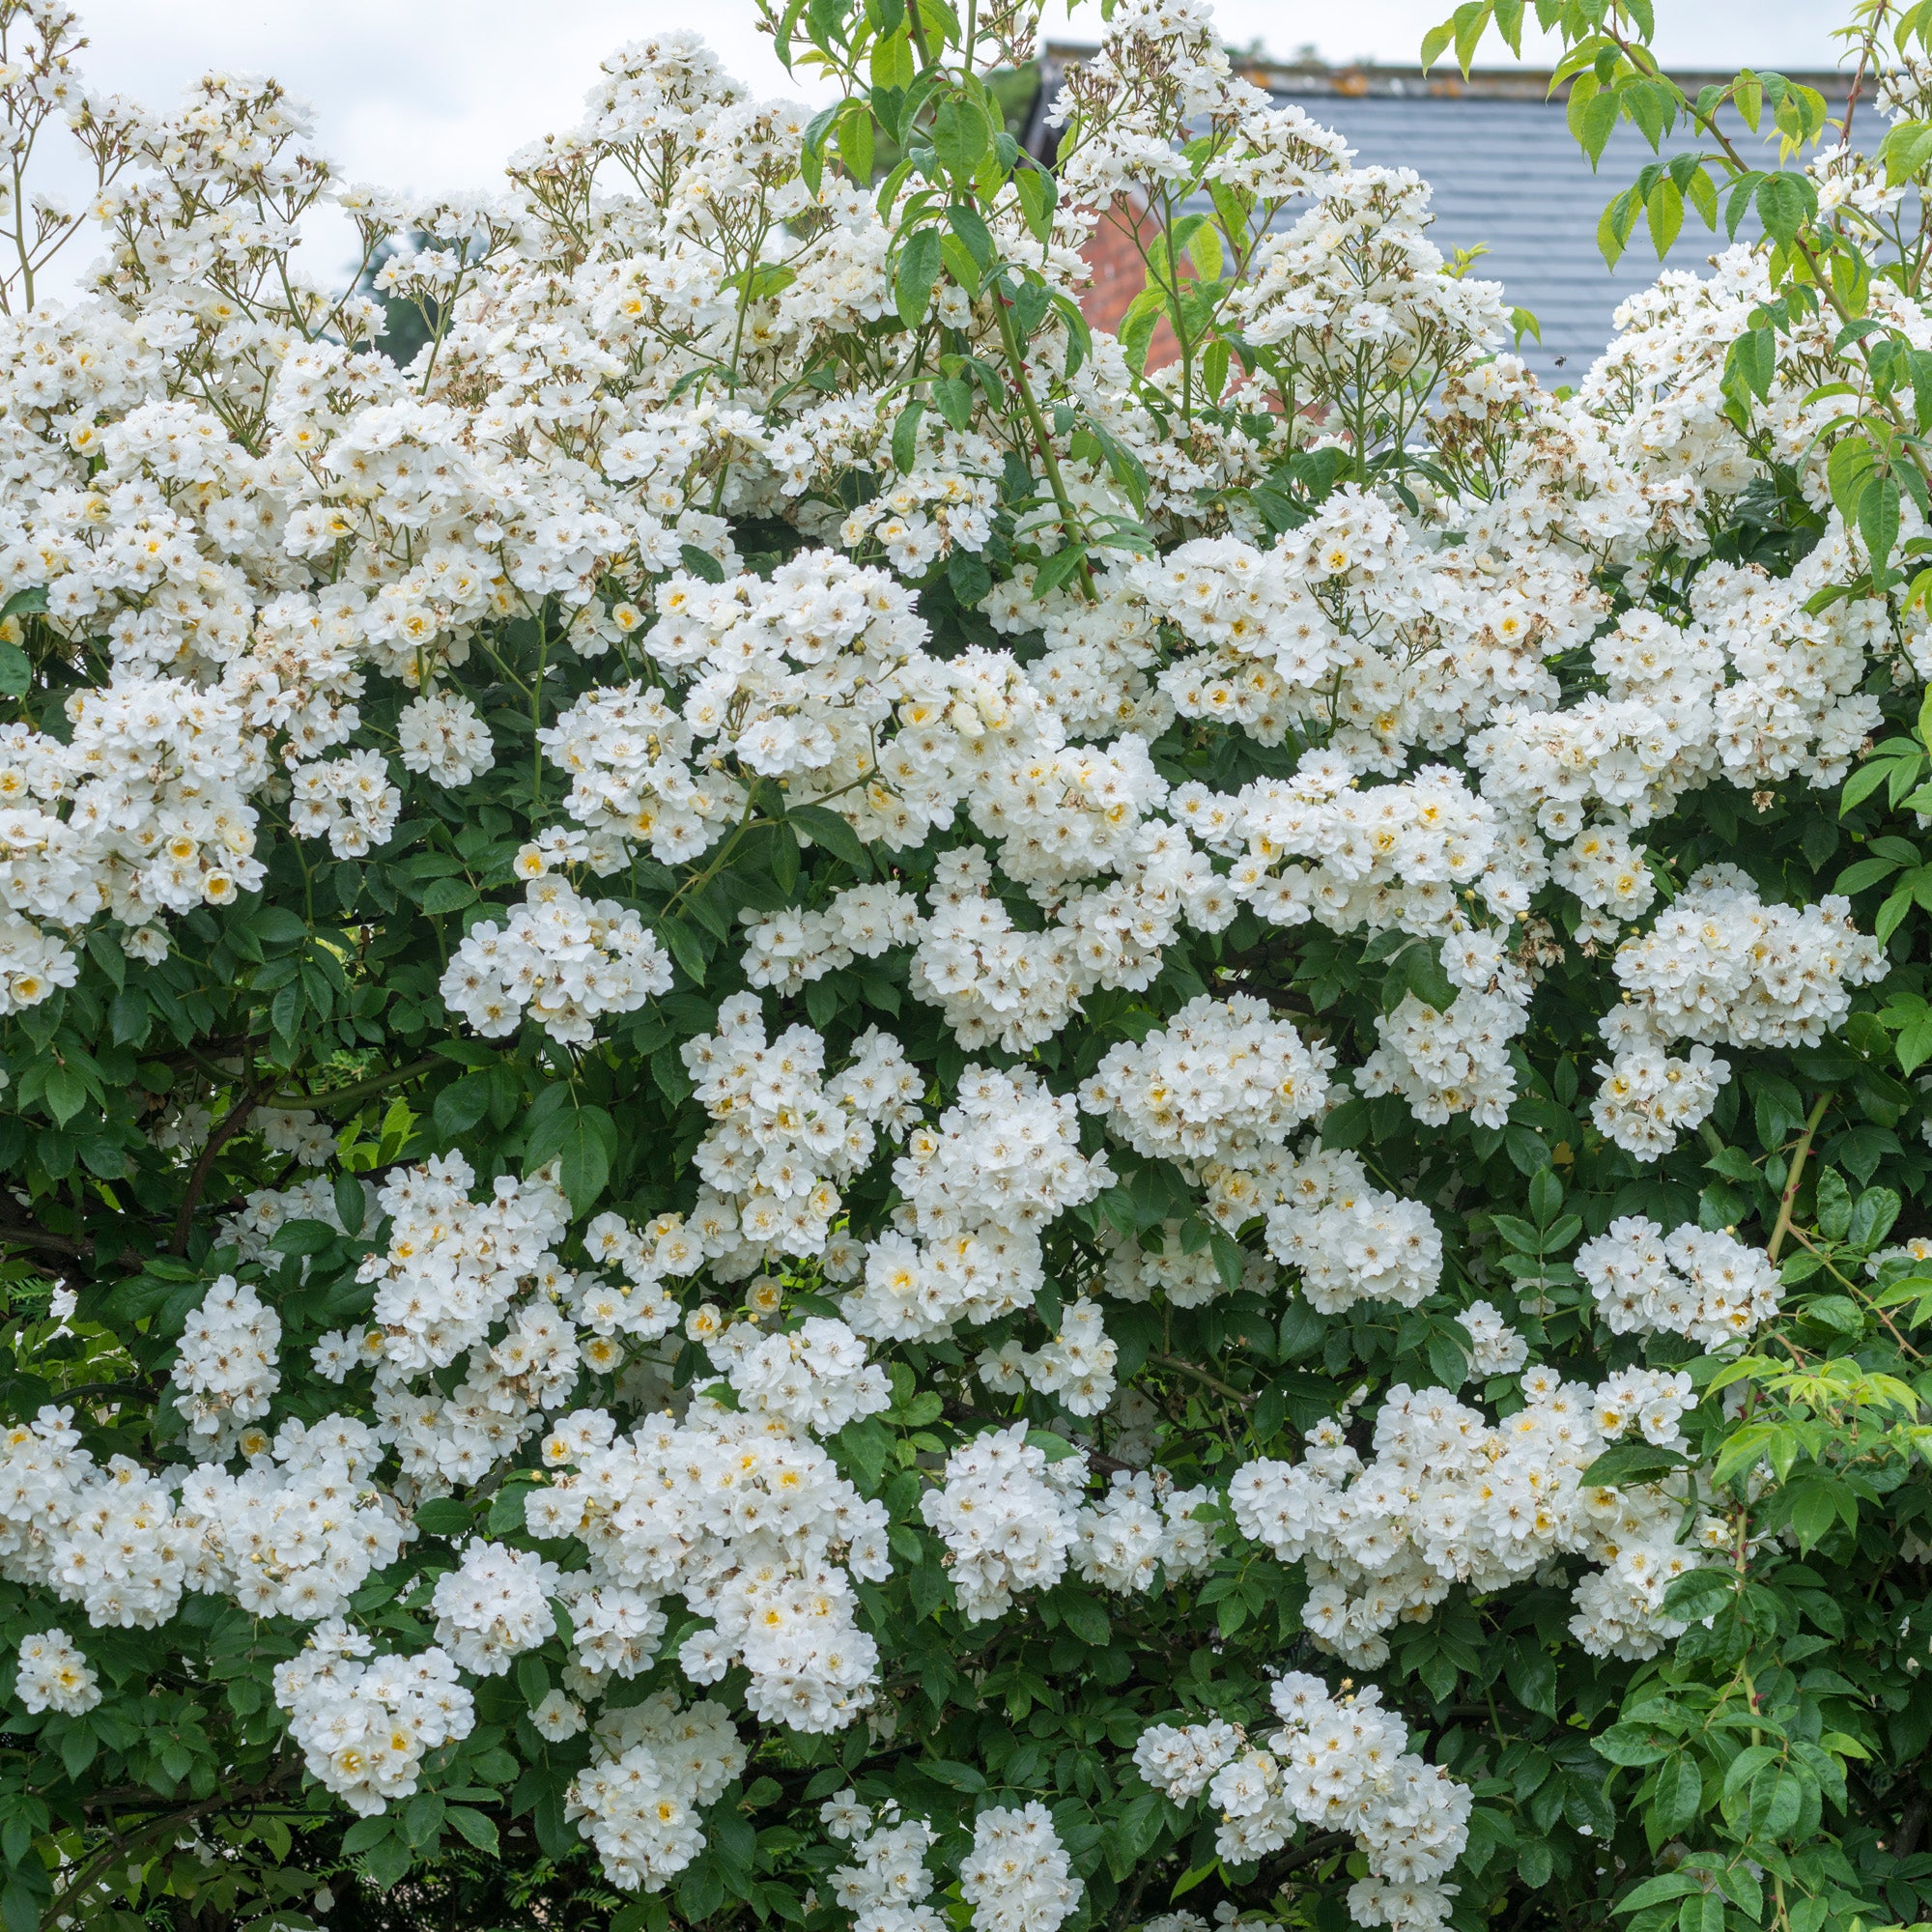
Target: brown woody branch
x=225, y=1130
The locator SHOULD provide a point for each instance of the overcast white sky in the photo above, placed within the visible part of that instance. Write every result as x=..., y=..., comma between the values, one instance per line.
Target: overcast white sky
x=431, y=95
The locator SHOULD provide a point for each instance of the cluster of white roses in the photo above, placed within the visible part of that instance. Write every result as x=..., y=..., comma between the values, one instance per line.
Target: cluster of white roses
x=454, y=1273
x=1142, y=1529
x=348, y=801
x=653, y=1765
x=53, y=1673
x=788, y=948
x=1449, y=1497
x=1719, y=967
x=976, y=1188
x=750, y=1522
x=365, y=1727
x=226, y=1365
x=1221, y=1080
x=1701, y=1283
x=815, y=1376
x=563, y=960
x=295, y=1534
x=494, y=1605
x=299, y=1531
x=1337, y=1762
x=1008, y=1516
x=1076, y=1363
x=1349, y=1240
x=887, y=1888
x=1017, y=1877
x=998, y=979
x=102, y=1536
x=785, y=1135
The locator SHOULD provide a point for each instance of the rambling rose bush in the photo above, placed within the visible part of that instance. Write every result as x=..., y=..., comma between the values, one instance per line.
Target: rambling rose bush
x=823, y=1107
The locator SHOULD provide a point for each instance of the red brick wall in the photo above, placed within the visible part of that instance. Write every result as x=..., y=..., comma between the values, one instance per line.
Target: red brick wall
x=1119, y=276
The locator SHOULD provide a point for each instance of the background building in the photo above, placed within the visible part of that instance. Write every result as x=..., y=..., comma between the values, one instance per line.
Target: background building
x=1507, y=174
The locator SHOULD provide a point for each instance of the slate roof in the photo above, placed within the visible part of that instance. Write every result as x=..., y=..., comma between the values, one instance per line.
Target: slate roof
x=1506, y=172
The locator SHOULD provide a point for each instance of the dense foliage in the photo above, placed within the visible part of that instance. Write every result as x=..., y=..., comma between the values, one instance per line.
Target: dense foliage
x=824, y=1105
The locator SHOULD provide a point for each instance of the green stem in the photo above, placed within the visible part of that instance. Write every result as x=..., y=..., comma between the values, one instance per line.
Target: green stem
x=360, y=1089
x=1800, y=1157
x=1201, y=1376
x=1070, y=526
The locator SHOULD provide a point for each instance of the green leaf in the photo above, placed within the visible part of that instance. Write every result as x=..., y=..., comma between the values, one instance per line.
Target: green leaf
x=474, y=1826
x=1878, y=1207
x=386, y=1862
x=1679, y=1795
x=1626, y=1464
x=443, y=1515
x=1665, y=211
x=365, y=1833
x=1814, y=1512
x=1837, y=1311
x=352, y=1204
x=1786, y=202
x=446, y=895
x=1878, y=524
x=854, y=141
x=1776, y=1803
x=685, y=946
x=962, y=136
x=905, y=437
x=532, y=1678
x=917, y=274
x=1087, y=1620
x=1593, y=123
x=1699, y=1594
x=65, y=1092
x=824, y=827
x=461, y=1104
x=78, y=1747
x=1701, y=1912
x=1531, y=1675
x=1470, y=20
x=422, y=1819
x=1229, y=1260
x=1059, y=569
x=970, y=226
x=1847, y=471
x=1546, y=1197
x=1906, y=148
x=969, y=578
x=1633, y=1744
x=868, y=1446
x=1615, y=226
x=1754, y=355
x=589, y=1145
x=1036, y=191
x=1866, y=872
x=1657, y=1891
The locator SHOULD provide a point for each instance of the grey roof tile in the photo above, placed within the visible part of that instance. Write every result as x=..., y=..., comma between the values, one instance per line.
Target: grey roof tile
x=1508, y=174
